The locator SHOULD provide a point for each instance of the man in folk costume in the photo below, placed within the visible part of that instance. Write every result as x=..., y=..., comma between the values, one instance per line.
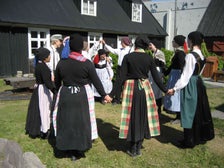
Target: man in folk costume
x=120, y=52
x=56, y=42
x=139, y=117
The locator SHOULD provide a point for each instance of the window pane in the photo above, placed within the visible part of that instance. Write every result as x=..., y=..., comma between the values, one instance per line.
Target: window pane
x=91, y=8
x=85, y=7
x=42, y=43
x=42, y=35
x=97, y=38
x=34, y=51
x=33, y=34
x=91, y=38
x=34, y=44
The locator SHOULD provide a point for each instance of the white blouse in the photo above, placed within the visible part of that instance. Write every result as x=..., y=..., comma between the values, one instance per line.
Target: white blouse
x=188, y=70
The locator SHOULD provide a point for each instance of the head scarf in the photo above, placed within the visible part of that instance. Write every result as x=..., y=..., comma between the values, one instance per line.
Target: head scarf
x=126, y=41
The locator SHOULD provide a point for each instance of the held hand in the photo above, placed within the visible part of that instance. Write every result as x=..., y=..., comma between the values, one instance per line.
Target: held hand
x=171, y=92
x=108, y=99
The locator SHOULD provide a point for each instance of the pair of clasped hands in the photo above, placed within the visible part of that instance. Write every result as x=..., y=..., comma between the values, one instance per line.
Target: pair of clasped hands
x=170, y=92
x=108, y=99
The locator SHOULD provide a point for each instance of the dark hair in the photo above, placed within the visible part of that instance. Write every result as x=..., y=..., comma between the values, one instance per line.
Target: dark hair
x=42, y=53
x=196, y=38
x=142, y=42
x=76, y=43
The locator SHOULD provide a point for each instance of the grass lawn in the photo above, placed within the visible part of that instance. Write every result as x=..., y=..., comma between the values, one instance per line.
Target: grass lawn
x=108, y=151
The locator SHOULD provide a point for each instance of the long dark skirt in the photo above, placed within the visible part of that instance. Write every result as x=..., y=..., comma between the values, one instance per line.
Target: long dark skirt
x=73, y=120
x=202, y=129
x=33, y=120
x=138, y=126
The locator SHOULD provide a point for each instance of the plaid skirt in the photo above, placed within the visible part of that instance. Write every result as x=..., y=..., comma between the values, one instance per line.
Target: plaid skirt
x=127, y=107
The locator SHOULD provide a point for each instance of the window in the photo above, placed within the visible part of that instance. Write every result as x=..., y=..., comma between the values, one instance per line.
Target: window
x=88, y=7
x=94, y=37
x=37, y=38
x=136, y=12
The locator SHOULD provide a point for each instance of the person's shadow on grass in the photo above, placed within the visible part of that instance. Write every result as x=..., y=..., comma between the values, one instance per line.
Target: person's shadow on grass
x=167, y=133
x=109, y=135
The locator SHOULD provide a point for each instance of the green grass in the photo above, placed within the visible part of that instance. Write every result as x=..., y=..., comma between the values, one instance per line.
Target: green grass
x=108, y=149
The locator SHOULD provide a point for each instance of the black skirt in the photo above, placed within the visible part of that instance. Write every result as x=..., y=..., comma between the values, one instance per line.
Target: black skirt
x=138, y=125
x=33, y=120
x=73, y=120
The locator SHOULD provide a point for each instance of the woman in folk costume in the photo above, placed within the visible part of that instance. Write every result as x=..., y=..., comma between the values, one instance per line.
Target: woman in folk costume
x=65, y=54
x=172, y=103
x=139, y=118
x=105, y=72
x=195, y=111
x=38, y=116
x=73, y=78
x=160, y=62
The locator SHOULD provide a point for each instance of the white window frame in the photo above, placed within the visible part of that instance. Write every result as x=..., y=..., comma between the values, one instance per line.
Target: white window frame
x=137, y=12
x=88, y=4
x=96, y=38
x=38, y=39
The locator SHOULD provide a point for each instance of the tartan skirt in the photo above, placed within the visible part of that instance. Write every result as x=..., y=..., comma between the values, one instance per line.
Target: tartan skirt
x=139, y=117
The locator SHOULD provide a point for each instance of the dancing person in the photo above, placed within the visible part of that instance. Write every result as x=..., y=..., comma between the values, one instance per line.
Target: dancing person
x=105, y=73
x=56, y=42
x=172, y=103
x=39, y=110
x=160, y=62
x=196, y=117
x=120, y=52
x=139, y=116
x=72, y=120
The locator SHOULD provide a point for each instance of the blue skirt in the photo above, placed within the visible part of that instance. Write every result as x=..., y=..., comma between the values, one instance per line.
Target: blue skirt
x=172, y=103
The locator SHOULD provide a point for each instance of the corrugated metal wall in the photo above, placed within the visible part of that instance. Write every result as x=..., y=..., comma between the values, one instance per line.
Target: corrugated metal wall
x=13, y=51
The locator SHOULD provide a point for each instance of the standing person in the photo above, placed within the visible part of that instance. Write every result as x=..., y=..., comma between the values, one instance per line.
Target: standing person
x=38, y=116
x=73, y=122
x=195, y=111
x=105, y=73
x=172, y=103
x=90, y=52
x=160, y=61
x=139, y=116
x=121, y=52
x=56, y=42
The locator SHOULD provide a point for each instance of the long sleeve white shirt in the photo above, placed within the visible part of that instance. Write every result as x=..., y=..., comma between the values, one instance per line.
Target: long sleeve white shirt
x=188, y=70
x=121, y=52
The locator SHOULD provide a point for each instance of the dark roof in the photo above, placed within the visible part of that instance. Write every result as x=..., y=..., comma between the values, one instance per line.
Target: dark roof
x=64, y=14
x=212, y=23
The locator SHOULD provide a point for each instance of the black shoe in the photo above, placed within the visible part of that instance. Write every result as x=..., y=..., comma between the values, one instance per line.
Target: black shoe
x=132, y=154
x=184, y=145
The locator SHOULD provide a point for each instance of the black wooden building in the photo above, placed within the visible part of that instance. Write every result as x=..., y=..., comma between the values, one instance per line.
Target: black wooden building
x=212, y=26
x=28, y=24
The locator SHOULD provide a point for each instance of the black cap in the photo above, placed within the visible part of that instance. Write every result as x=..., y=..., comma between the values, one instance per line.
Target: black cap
x=76, y=43
x=142, y=42
x=42, y=53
